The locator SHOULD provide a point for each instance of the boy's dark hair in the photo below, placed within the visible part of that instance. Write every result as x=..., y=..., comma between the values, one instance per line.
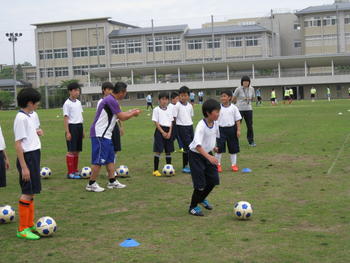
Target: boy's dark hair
x=163, y=95
x=106, y=85
x=73, y=85
x=184, y=89
x=227, y=92
x=209, y=106
x=174, y=94
x=245, y=78
x=27, y=95
x=119, y=87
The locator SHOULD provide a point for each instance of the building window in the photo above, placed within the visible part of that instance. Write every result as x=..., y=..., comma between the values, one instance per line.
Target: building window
x=234, y=42
x=252, y=41
x=172, y=44
x=347, y=19
x=45, y=54
x=297, y=44
x=93, y=51
x=80, y=70
x=216, y=43
x=97, y=66
x=296, y=26
x=60, y=53
x=61, y=71
x=158, y=44
x=49, y=72
x=140, y=95
x=194, y=44
x=118, y=47
x=313, y=41
x=80, y=52
x=134, y=46
x=329, y=20
x=312, y=22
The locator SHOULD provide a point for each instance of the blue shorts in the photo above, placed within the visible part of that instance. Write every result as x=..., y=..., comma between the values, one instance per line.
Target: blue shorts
x=102, y=151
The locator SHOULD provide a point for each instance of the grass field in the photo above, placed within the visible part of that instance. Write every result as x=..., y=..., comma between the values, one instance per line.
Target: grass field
x=301, y=212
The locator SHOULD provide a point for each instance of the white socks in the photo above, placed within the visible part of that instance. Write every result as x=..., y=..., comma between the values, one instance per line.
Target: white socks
x=218, y=157
x=233, y=158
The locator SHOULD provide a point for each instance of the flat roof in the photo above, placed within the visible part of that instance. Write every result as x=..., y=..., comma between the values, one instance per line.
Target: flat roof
x=324, y=8
x=106, y=18
x=148, y=30
x=10, y=82
x=222, y=30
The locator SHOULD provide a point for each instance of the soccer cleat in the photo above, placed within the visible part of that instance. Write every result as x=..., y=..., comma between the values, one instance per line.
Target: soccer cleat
x=206, y=205
x=77, y=175
x=156, y=173
x=219, y=168
x=70, y=176
x=234, y=168
x=94, y=188
x=186, y=170
x=116, y=185
x=253, y=144
x=32, y=228
x=196, y=211
x=27, y=234
x=181, y=150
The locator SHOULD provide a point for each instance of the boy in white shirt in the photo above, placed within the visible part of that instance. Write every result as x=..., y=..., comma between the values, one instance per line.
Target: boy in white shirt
x=28, y=147
x=203, y=164
x=4, y=160
x=73, y=125
x=162, y=117
x=230, y=129
x=183, y=112
x=174, y=98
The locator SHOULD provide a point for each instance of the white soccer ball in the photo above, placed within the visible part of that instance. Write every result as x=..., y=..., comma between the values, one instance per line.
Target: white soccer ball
x=243, y=210
x=122, y=171
x=85, y=172
x=45, y=172
x=7, y=214
x=46, y=226
x=168, y=170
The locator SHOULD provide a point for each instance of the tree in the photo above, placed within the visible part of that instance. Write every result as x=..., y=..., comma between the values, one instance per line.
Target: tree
x=6, y=99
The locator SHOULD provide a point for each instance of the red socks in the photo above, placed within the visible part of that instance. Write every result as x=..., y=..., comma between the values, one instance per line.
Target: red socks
x=70, y=163
x=31, y=214
x=76, y=161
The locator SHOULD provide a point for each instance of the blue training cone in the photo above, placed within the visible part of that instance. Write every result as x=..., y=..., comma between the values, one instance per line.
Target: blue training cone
x=129, y=243
x=246, y=170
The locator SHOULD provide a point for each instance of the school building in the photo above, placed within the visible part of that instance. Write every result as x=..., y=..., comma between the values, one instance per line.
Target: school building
x=310, y=47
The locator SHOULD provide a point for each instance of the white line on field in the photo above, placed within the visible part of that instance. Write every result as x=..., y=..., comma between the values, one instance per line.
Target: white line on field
x=337, y=157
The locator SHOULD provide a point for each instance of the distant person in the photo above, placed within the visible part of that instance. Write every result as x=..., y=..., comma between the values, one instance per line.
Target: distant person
x=291, y=94
x=328, y=94
x=243, y=97
x=349, y=92
x=200, y=97
x=149, y=101
x=192, y=97
x=286, y=96
x=273, y=97
x=258, y=96
x=313, y=94
x=4, y=160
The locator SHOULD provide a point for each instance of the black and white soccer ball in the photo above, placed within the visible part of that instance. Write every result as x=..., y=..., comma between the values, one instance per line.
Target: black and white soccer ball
x=46, y=226
x=243, y=210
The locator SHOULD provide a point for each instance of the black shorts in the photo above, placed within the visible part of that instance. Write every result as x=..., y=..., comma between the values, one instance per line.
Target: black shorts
x=192, y=101
x=228, y=135
x=160, y=143
x=286, y=97
x=273, y=99
x=76, y=142
x=149, y=103
x=116, y=138
x=2, y=170
x=186, y=135
x=312, y=95
x=203, y=173
x=200, y=99
x=259, y=98
x=33, y=186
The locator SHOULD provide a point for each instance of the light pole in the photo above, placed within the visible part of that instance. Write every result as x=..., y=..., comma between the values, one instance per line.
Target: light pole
x=12, y=37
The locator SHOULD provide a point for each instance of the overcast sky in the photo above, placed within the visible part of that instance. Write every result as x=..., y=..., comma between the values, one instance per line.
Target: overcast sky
x=18, y=15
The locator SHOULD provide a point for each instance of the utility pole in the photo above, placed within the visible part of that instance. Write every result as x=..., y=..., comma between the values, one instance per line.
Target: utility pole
x=13, y=37
x=212, y=37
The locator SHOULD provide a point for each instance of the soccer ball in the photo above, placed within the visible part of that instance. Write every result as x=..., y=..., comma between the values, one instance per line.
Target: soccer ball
x=45, y=172
x=243, y=210
x=168, y=170
x=85, y=172
x=122, y=171
x=7, y=214
x=46, y=226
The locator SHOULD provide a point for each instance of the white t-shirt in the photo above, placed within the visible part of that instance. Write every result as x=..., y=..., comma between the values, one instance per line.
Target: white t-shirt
x=35, y=119
x=163, y=116
x=228, y=116
x=205, y=136
x=171, y=108
x=25, y=131
x=183, y=114
x=73, y=110
x=2, y=141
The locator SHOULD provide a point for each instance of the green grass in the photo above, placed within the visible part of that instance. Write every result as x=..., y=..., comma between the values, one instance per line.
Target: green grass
x=301, y=213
